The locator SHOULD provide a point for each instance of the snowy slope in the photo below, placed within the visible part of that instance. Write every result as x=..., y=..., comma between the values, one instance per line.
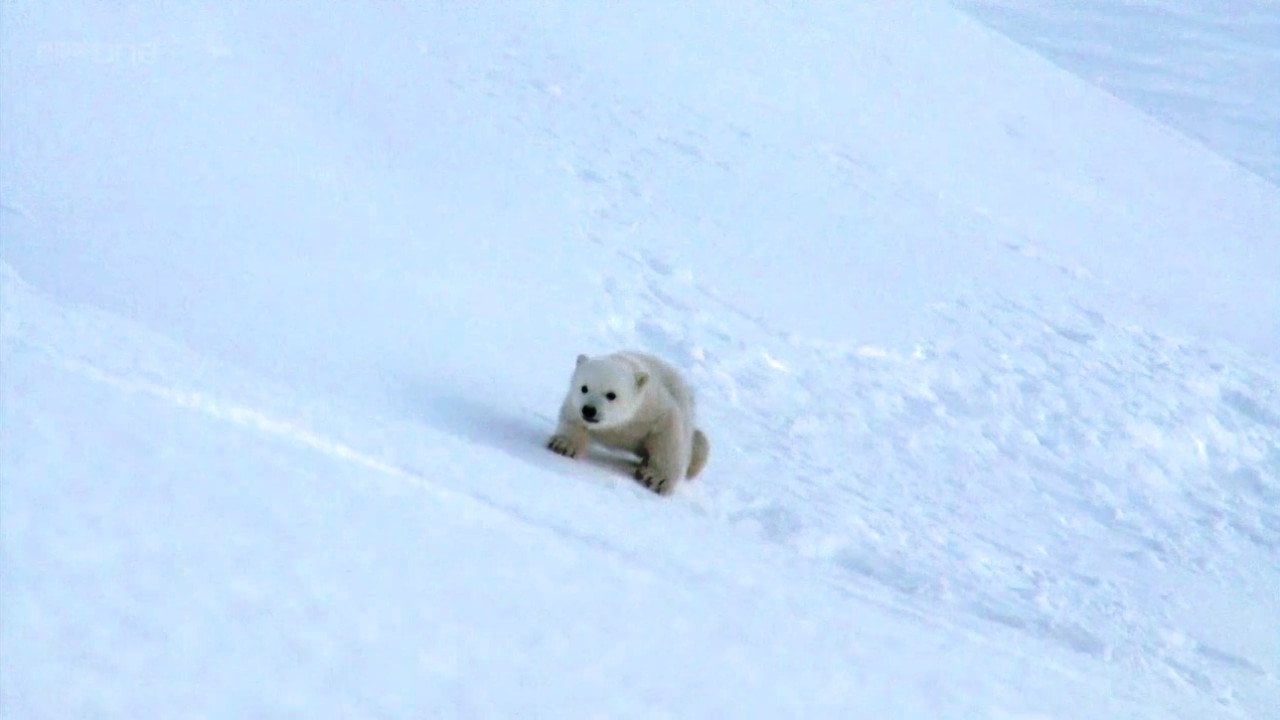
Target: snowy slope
x=290, y=297
x=1211, y=70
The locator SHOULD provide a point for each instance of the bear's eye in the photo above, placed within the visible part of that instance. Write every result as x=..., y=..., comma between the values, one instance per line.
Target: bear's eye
x=584, y=389
x=611, y=396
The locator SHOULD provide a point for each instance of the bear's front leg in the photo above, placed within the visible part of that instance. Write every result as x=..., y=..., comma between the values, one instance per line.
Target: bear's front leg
x=664, y=459
x=569, y=440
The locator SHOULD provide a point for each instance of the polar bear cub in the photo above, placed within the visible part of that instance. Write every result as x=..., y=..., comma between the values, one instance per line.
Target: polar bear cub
x=633, y=401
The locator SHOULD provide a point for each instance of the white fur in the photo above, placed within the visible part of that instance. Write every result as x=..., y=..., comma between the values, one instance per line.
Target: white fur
x=650, y=413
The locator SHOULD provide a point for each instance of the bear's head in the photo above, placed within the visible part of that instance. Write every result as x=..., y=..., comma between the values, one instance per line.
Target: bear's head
x=606, y=391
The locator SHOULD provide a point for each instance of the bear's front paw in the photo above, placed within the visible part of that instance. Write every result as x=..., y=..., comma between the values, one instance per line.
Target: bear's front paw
x=564, y=445
x=654, y=481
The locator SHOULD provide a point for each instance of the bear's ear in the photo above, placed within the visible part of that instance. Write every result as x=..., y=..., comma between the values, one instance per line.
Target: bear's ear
x=641, y=379
x=582, y=359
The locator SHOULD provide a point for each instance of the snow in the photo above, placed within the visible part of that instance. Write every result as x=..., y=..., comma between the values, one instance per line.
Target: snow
x=1208, y=69
x=289, y=296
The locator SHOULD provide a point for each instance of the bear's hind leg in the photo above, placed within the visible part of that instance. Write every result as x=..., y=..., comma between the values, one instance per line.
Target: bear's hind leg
x=698, y=459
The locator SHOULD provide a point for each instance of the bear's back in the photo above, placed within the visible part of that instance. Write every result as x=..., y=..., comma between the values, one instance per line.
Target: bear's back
x=664, y=373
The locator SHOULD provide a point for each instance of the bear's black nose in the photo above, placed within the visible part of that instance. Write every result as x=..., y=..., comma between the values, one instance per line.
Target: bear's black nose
x=589, y=412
